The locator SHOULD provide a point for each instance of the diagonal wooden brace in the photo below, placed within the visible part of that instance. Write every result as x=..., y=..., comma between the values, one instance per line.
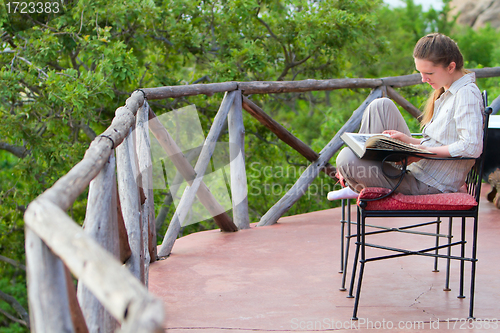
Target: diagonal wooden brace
x=199, y=169
x=285, y=135
x=187, y=171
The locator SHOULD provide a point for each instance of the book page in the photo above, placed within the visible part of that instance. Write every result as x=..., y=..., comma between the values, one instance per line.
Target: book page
x=386, y=142
x=363, y=138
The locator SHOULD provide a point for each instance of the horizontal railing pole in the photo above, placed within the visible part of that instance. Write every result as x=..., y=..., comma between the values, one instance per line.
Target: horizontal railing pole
x=110, y=282
x=65, y=191
x=273, y=87
x=189, y=90
x=482, y=73
x=284, y=135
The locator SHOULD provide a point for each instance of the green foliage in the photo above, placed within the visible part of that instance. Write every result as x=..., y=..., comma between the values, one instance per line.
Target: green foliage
x=62, y=78
x=479, y=47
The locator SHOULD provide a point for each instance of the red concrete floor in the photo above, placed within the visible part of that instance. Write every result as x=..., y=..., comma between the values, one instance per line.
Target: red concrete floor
x=285, y=278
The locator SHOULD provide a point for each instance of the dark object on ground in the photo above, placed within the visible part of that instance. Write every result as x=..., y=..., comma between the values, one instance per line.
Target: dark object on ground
x=494, y=180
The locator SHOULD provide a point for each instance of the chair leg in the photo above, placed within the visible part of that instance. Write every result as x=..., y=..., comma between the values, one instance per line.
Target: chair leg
x=358, y=291
x=361, y=268
x=438, y=227
x=342, y=233
x=448, y=260
x=347, y=245
x=344, y=274
x=473, y=270
x=356, y=256
x=472, y=289
x=462, y=262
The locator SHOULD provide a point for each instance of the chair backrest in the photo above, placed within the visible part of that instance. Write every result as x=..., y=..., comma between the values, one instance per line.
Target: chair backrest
x=475, y=175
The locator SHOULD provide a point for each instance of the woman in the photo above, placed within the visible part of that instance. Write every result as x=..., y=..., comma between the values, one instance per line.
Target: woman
x=451, y=125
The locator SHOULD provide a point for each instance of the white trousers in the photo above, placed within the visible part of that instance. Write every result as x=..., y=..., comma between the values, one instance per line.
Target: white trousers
x=382, y=114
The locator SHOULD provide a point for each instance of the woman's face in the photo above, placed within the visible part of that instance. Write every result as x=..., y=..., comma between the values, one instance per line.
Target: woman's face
x=435, y=75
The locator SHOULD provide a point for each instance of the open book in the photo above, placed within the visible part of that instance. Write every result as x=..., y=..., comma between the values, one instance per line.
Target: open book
x=378, y=146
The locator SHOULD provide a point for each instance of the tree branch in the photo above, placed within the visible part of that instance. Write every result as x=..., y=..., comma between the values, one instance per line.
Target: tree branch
x=14, y=319
x=81, y=63
x=201, y=79
x=29, y=63
x=260, y=137
x=32, y=88
x=56, y=65
x=287, y=56
x=163, y=39
x=290, y=65
x=17, y=307
x=18, y=151
x=72, y=57
x=297, y=63
x=289, y=161
x=13, y=262
x=88, y=131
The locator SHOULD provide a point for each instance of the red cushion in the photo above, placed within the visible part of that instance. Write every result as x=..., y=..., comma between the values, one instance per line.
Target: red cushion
x=398, y=201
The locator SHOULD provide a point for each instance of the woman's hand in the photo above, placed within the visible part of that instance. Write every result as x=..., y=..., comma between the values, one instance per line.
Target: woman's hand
x=412, y=159
x=401, y=136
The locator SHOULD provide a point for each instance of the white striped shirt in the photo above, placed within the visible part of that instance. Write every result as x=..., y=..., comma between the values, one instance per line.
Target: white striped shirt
x=458, y=123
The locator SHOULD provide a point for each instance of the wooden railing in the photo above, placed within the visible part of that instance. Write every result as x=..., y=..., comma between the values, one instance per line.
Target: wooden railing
x=119, y=224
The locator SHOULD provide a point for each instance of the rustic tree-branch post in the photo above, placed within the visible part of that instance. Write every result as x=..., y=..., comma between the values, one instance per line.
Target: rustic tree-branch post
x=145, y=174
x=239, y=188
x=47, y=288
x=101, y=224
x=130, y=203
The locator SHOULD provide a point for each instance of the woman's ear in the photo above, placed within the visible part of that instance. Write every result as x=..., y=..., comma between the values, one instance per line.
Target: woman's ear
x=451, y=67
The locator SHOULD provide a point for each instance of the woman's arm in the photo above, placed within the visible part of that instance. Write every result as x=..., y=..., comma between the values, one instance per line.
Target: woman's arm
x=441, y=151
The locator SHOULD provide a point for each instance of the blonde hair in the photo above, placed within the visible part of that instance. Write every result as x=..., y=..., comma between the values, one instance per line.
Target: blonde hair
x=441, y=50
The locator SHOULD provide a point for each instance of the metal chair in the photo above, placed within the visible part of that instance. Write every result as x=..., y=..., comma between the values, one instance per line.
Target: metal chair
x=473, y=185
x=346, y=235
